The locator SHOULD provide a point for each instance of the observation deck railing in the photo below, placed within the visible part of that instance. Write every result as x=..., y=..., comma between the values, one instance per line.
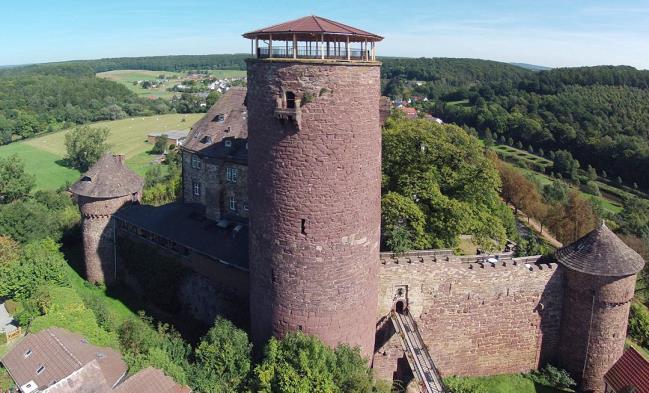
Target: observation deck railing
x=315, y=52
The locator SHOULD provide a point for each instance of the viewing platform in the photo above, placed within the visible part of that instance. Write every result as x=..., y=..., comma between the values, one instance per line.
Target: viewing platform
x=313, y=37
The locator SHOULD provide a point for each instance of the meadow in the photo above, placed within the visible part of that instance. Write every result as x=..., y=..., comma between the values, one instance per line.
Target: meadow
x=127, y=77
x=43, y=156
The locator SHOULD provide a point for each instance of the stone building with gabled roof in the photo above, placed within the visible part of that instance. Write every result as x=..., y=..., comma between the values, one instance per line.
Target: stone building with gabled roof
x=630, y=374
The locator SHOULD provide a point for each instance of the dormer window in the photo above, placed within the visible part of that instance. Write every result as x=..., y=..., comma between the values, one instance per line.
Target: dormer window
x=207, y=140
x=220, y=118
x=28, y=353
x=86, y=178
x=40, y=369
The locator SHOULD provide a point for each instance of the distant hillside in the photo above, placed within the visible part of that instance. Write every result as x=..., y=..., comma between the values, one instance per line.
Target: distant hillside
x=532, y=66
x=152, y=63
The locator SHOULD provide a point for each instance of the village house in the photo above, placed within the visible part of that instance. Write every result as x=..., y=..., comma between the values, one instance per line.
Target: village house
x=630, y=374
x=175, y=138
x=58, y=361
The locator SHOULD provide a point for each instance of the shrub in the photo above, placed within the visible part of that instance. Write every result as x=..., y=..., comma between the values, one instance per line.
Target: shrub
x=639, y=324
x=458, y=385
x=554, y=377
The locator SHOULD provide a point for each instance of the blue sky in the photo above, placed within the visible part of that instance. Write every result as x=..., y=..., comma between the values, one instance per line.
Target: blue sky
x=544, y=32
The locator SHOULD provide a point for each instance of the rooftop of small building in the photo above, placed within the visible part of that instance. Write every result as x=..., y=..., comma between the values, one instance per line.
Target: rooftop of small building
x=54, y=354
x=600, y=253
x=109, y=177
x=310, y=27
x=631, y=370
x=223, y=131
x=185, y=224
x=170, y=134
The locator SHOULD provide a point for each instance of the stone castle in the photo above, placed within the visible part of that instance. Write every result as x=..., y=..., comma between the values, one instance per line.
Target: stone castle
x=281, y=217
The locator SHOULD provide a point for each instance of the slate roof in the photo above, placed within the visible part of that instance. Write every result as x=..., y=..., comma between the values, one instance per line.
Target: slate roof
x=88, y=379
x=151, y=380
x=185, y=224
x=313, y=25
x=60, y=353
x=108, y=178
x=600, y=253
x=209, y=135
x=631, y=370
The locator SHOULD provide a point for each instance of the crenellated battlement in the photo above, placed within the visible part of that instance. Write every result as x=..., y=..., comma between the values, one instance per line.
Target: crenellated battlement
x=470, y=262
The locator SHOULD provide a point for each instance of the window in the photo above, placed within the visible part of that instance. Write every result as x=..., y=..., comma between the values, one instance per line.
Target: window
x=233, y=203
x=220, y=118
x=245, y=206
x=231, y=174
x=228, y=143
x=40, y=369
x=290, y=100
x=28, y=353
x=206, y=140
x=196, y=187
x=196, y=162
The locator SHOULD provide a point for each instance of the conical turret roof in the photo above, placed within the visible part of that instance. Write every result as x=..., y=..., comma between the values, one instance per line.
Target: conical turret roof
x=108, y=178
x=600, y=253
x=313, y=26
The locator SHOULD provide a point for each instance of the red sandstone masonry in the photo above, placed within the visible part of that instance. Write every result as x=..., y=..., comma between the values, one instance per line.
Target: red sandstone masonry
x=327, y=173
x=594, y=325
x=98, y=236
x=475, y=319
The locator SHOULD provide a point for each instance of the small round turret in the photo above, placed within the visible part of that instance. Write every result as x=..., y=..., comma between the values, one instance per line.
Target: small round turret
x=600, y=282
x=105, y=188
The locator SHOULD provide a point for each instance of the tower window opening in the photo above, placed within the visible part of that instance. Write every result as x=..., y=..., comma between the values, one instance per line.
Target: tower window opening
x=290, y=100
x=303, y=226
x=400, y=307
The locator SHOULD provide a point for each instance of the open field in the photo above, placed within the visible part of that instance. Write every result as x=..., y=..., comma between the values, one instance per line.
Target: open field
x=519, y=155
x=127, y=77
x=42, y=155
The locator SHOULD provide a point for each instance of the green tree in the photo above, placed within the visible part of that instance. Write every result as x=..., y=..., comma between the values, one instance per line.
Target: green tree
x=85, y=145
x=445, y=173
x=15, y=183
x=39, y=263
x=222, y=360
x=404, y=224
x=29, y=220
x=212, y=98
x=639, y=324
x=303, y=364
x=555, y=192
x=160, y=145
x=592, y=173
x=459, y=385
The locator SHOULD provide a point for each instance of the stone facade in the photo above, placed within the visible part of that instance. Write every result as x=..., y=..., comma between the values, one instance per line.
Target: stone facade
x=475, y=319
x=314, y=188
x=99, y=236
x=219, y=185
x=594, y=325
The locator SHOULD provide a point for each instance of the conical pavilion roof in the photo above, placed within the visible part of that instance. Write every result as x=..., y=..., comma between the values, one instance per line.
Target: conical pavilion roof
x=108, y=178
x=313, y=25
x=600, y=253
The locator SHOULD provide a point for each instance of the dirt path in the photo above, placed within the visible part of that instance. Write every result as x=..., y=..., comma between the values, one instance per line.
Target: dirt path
x=536, y=227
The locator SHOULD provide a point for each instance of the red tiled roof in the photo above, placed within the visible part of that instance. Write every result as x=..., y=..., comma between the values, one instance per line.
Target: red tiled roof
x=313, y=25
x=58, y=353
x=151, y=380
x=632, y=369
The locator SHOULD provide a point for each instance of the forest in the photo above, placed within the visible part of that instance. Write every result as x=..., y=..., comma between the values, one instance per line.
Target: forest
x=598, y=114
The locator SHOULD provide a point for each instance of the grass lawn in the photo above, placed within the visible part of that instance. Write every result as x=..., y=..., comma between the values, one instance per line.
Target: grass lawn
x=515, y=383
x=43, y=155
x=127, y=77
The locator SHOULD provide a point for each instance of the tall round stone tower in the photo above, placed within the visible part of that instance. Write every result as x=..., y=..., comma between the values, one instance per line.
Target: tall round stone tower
x=314, y=145
x=600, y=283
x=105, y=188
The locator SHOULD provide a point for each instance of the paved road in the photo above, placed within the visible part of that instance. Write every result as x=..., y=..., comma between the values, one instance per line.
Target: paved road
x=5, y=320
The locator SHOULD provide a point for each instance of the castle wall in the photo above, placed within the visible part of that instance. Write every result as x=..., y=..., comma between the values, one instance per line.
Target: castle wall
x=314, y=200
x=475, y=319
x=98, y=236
x=594, y=325
x=211, y=288
x=215, y=187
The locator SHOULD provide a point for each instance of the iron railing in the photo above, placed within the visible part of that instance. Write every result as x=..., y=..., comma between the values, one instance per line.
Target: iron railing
x=313, y=52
